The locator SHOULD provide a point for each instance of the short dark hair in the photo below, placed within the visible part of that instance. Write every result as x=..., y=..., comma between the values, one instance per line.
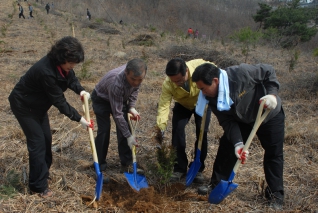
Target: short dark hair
x=176, y=66
x=137, y=66
x=205, y=72
x=67, y=49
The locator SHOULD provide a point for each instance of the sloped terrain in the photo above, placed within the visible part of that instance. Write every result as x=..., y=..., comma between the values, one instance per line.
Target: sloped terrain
x=25, y=41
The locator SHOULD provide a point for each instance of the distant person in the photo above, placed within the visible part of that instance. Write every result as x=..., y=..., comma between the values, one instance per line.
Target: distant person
x=52, y=5
x=190, y=32
x=40, y=88
x=196, y=33
x=115, y=95
x=88, y=14
x=234, y=95
x=47, y=7
x=121, y=22
x=21, y=11
x=178, y=86
x=31, y=10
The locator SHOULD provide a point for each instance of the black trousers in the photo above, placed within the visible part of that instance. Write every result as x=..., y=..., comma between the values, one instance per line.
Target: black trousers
x=271, y=135
x=180, y=118
x=102, y=110
x=39, y=142
x=21, y=15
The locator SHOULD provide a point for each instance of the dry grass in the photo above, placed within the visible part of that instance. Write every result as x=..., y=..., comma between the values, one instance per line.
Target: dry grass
x=28, y=40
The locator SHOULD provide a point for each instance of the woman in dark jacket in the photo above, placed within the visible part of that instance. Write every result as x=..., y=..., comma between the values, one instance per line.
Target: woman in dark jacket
x=42, y=86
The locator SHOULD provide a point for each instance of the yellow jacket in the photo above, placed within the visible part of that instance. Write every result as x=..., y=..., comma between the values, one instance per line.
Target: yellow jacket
x=171, y=90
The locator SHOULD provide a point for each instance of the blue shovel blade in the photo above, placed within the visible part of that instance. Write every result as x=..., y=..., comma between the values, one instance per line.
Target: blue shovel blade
x=135, y=180
x=99, y=181
x=194, y=168
x=221, y=191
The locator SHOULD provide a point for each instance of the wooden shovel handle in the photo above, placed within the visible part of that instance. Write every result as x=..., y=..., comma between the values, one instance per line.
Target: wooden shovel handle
x=133, y=131
x=257, y=123
x=202, y=128
x=91, y=134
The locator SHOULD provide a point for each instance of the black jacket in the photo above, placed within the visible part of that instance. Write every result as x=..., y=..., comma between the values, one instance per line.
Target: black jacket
x=41, y=87
x=248, y=83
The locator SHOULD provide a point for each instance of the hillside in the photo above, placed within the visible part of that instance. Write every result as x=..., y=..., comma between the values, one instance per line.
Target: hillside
x=107, y=46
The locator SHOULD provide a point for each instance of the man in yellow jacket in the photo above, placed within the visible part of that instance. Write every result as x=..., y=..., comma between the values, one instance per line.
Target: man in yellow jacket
x=179, y=86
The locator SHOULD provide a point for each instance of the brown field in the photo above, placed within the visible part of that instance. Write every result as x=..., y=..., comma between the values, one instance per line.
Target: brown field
x=25, y=41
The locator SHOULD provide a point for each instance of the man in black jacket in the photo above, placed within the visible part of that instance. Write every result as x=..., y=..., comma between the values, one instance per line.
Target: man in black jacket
x=234, y=95
x=21, y=11
x=42, y=86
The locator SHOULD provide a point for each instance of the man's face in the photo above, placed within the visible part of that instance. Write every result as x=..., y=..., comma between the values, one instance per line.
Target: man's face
x=179, y=79
x=134, y=81
x=209, y=90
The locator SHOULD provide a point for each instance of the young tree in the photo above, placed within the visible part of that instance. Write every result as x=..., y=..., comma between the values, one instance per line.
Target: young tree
x=247, y=38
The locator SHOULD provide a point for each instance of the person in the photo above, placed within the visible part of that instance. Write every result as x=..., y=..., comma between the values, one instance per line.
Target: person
x=234, y=95
x=121, y=22
x=190, y=32
x=47, y=7
x=42, y=86
x=116, y=94
x=178, y=86
x=21, y=11
x=196, y=33
x=31, y=10
x=88, y=14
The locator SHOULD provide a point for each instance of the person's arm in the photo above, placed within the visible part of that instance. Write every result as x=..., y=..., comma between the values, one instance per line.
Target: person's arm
x=74, y=83
x=133, y=98
x=115, y=95
x=57, y=98
x=229, y=124
x=164, y=106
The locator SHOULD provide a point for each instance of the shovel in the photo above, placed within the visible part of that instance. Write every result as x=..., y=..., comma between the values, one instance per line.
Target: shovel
x=224, y=188
x=136, y=181
x=99, y=174
x=196, y=164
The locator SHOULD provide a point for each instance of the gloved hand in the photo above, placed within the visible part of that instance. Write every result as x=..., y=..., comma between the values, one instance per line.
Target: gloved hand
x=271, y=101
x=135, y=114
x=131, y=141
x=85, y=123
x=87, y=94
x=238, y=152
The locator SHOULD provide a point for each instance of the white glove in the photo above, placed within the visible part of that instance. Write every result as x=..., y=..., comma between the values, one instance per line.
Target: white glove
x=131, y=141
x=84, y=122
x=238, y=152
x=135, y=114
x=86, y=93
x=270, y=101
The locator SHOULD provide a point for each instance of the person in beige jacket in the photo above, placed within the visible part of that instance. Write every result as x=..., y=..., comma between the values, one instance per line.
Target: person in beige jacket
x=179, y=86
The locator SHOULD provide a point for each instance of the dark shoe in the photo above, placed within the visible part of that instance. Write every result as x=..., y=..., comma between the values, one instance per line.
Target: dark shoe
x=176, y=176
x=129, y=169
x=105, y=179
x=276, y=199
x=102, y=166
x=199, y=178
x=45, y=194
x=204, y=190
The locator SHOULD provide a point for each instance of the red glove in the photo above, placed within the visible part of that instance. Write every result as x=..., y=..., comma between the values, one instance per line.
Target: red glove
x=238, y=152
